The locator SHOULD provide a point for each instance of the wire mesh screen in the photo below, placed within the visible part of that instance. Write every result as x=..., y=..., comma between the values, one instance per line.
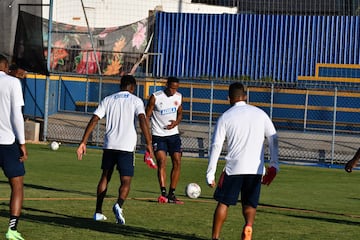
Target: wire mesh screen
x=315, y=125
x=299, y=60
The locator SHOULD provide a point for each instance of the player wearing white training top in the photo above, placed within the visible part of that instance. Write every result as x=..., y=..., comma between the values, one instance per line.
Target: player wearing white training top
x=120, y=138
x=244, y=127
x=165, y=109
x=12, y=143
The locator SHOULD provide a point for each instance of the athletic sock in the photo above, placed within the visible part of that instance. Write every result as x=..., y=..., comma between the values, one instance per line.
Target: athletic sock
x=13, y=222
x=172, y=192
x=99, y=201
x=163, y=191
x=120, y=202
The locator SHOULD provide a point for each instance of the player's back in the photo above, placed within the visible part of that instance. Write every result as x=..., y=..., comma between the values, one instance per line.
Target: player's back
x=120, y=109
x=246, y=127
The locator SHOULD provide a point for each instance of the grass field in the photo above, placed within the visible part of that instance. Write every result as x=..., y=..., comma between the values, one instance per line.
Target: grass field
x=302, y=202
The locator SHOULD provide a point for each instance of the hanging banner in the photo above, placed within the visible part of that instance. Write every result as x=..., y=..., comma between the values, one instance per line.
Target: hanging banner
x=28, y=46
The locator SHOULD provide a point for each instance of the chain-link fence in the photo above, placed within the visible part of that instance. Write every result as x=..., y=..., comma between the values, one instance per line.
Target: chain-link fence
x=315, y=125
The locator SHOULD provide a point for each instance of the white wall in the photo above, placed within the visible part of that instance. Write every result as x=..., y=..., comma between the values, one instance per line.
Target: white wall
x=109, y=13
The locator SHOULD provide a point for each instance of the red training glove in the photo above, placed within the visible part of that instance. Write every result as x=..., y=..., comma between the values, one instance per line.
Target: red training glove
x=149, y=161
x=269, y=176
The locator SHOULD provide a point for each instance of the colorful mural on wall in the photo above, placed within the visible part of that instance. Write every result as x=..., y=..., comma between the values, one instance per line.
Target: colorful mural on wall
x=82, y=50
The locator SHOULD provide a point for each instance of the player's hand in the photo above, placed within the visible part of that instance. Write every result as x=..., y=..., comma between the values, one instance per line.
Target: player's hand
x=23, y=152
x=81, y=151
x=349, y=166
x=213, y=184
x=171, y=125
x=269, y=175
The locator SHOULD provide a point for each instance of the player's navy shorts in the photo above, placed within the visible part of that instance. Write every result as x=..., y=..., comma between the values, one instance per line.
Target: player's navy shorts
x=170, y=144
x=124, y=161
x=10, y=160
x=229, y=188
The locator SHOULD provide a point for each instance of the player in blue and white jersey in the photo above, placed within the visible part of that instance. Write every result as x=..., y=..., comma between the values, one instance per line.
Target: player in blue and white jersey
x=120, y=110
x=165, y=110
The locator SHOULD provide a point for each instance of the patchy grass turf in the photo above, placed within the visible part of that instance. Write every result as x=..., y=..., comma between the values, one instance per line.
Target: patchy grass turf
x=302, y=202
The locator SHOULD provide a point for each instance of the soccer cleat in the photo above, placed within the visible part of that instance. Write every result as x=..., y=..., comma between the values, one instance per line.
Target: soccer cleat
x=173, y=199
x=162, y=199
x=149, y=161
x=13, y=235
x=247, y=233
x=118, y=214
x=99, y=217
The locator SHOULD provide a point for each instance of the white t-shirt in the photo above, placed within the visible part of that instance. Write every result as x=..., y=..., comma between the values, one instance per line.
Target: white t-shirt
x=120, y=110
x=11, y=101
x=245, y=128
x=165, y=109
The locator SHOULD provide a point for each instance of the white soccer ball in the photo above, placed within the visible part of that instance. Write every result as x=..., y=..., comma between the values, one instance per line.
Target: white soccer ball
x=193, y=190
x=54, y=146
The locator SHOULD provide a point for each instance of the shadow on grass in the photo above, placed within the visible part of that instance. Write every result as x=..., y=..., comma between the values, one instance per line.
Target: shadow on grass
x=355, y=198
x=290, y=211
x=132, y=232
x=39, y=187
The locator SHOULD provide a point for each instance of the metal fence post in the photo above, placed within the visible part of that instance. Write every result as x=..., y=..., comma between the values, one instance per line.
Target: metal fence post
x=59, y=93
x=191, y=102
x=47, y=82
x=210, y=113
x=334, y=128
x=272, y=100
x=87, y=93
x=306, y=108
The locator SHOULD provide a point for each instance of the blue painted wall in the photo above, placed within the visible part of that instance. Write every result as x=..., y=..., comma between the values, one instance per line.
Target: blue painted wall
x=280, y=47
x=286, y=101
x=34, y=96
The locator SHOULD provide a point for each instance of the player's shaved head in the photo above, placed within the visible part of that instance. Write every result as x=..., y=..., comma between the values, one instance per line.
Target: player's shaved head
x=236, y=92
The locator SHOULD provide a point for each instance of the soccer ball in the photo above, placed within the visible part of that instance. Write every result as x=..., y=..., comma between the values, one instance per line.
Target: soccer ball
x=193, y=190
x=54, y=146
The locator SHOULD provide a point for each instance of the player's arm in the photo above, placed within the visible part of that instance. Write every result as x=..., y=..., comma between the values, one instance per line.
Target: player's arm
x=179, y=114
x=149, y=109
x=19, y=129
x=274, y=151
x=146, y=132
x=150, y=106
x=89, y=128
x=353, y=162
x=215, y=151
x=273, y=168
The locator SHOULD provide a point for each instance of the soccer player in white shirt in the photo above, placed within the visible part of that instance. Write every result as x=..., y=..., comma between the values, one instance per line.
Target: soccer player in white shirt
x=120, y=110
x=165, y=110
x=13, y=151
x=244, y=127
